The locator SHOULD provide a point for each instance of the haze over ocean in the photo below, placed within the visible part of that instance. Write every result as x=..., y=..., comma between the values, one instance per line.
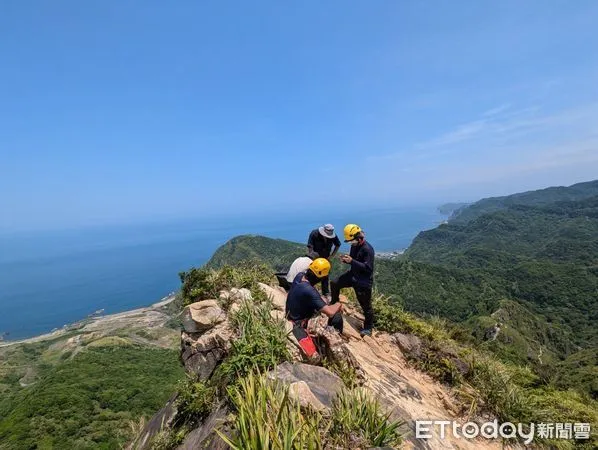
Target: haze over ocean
x=48, y=279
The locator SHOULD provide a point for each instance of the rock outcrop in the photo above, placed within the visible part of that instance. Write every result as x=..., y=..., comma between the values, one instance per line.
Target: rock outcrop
x=202, y=316
x=381, y=364
x=202, y=351
x=309, y=385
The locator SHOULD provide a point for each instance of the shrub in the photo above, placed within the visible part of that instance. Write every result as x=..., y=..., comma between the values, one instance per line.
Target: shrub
x=391, y=317
x=497, y=387
x=195, y=401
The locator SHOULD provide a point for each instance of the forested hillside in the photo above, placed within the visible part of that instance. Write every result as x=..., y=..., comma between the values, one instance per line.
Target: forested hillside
x=279, y=253
x=545, y=257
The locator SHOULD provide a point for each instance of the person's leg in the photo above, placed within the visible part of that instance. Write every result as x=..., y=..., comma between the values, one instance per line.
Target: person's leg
x=282, y=281
x=336, y=321
x=308, y=347
x=341, y=282
x=325, y=286
x=364, y=297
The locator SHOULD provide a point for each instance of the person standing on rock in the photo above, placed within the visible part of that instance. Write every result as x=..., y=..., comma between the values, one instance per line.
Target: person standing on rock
x=304, y=302
x=320, y=241
x=360, y=276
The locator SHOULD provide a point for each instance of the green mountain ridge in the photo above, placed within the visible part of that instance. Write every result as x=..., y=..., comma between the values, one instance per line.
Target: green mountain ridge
x=540, y=197
x=279, y=252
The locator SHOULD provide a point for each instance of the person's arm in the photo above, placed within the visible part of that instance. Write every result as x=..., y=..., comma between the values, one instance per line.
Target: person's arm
x=337, y=245
x=365, y=266
x=331, y=310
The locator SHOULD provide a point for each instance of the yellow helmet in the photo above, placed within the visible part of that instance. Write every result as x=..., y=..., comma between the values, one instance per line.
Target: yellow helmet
x=351, y=231
x=320, y=267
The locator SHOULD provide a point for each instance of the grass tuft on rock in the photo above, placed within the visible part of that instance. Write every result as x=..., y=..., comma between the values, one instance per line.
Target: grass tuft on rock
x=261, y=343
x=206, y=283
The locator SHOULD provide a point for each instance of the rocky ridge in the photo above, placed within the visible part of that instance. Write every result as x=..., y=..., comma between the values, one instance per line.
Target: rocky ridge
x=381, y=364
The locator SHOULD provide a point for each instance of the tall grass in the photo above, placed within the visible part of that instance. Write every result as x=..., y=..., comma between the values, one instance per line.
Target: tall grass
x=358, y=420
x=266, y=418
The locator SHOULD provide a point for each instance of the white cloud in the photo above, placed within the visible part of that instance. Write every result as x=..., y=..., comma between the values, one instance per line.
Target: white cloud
x=497, y=110
x=509, y=148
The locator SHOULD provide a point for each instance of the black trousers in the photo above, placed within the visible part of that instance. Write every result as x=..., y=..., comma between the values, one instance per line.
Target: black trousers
x=364, y=297
x=325, y=285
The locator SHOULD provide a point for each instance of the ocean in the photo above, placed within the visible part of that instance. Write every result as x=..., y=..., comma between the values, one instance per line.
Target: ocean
x=49, y=279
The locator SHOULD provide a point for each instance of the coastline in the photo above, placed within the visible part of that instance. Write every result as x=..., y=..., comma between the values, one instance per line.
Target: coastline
x=99, y=320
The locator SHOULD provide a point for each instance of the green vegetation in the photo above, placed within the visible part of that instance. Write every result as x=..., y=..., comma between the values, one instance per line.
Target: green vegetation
x=528, y=262
x=266, y=418
x=542, y=197
x=263, y=415
x=206, y=283
x=195, y=400
x=261, y=344
x=529, y=266
x=89, y=400
x=510, y=392
x=359, y=422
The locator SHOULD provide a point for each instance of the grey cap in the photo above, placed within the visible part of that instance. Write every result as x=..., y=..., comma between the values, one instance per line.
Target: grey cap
x=327, y=231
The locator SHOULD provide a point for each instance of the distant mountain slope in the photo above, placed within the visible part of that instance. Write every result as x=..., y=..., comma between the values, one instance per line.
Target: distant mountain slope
x=542, y=197
x=276, y=252
x=545, y=256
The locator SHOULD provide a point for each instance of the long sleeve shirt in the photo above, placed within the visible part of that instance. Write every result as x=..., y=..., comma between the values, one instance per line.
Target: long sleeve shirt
x=362, y=265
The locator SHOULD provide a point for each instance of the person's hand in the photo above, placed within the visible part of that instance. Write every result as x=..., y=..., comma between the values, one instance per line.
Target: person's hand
x=346, y=259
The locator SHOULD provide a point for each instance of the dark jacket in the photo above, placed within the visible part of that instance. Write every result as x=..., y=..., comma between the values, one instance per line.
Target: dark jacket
x=322, y=245
x=362, y=266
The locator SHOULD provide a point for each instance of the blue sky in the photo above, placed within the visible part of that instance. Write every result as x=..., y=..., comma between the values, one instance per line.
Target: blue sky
x=114, y=112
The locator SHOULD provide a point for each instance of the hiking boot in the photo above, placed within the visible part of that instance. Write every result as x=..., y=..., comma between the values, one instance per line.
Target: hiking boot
x=366, y=332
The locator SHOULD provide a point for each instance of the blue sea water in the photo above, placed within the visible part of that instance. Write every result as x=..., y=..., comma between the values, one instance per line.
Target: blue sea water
x=53, y=278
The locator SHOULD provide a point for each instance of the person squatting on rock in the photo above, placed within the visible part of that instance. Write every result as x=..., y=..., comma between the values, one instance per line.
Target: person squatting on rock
x=304, y=302
x=319, y=244
x=360, y=276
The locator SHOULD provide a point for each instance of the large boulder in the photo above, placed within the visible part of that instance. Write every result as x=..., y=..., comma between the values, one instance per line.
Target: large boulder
x=202, y=316
x=279, y=298
x=410, y=344
x=201, y=353
x=323, y=384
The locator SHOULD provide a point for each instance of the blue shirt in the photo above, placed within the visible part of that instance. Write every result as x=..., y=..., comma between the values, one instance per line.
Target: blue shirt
x=303, y=300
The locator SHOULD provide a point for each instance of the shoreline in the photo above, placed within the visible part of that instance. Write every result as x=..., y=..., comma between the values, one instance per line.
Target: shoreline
x=83, y=322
